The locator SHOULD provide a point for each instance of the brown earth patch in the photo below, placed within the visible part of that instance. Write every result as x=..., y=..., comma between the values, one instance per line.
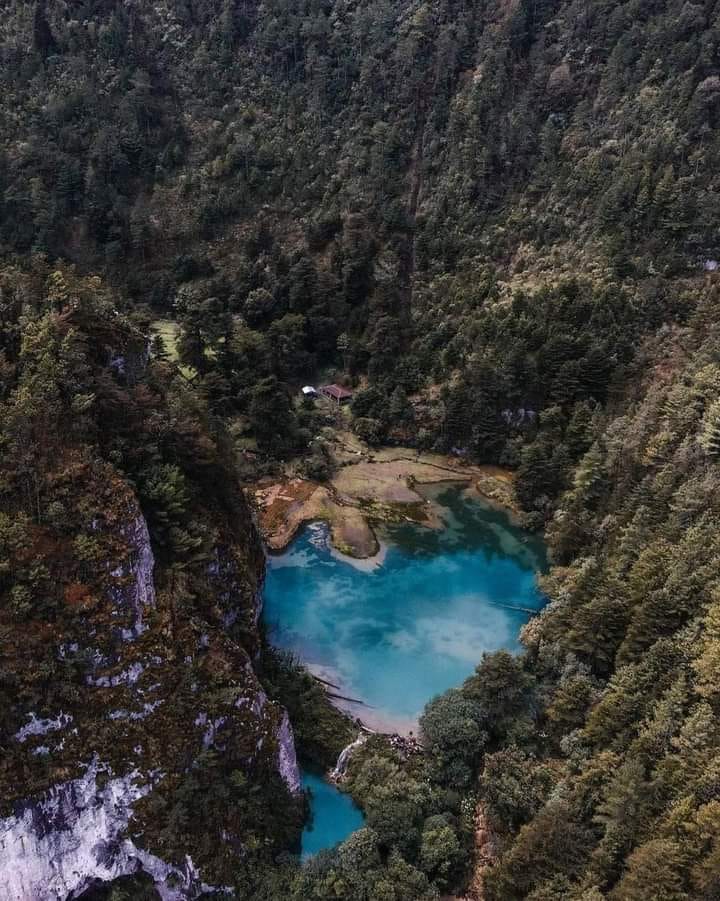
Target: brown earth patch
x=382, y=486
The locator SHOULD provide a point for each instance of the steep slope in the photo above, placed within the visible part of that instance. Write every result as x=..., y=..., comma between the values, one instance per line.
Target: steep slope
x=385, y=169
x=627, y=650
x=130, y=700
x=523, y=116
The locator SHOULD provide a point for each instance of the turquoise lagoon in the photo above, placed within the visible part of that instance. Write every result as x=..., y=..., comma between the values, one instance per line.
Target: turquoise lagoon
x=395, y=632
x=395, y=635
x=334, y=816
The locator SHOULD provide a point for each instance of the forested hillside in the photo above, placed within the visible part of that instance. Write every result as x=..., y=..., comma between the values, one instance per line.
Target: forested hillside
x=498, y=222
x=380, y=186
x=626, y=655
x=129, y=576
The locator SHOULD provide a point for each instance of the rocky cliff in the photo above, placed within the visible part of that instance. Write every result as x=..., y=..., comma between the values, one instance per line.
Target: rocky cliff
x=136, y=735
x=157, y=693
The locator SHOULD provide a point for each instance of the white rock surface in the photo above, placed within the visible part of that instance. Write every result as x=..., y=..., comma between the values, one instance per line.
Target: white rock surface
x=286, y=758
x=57, y=846
x=42, y=727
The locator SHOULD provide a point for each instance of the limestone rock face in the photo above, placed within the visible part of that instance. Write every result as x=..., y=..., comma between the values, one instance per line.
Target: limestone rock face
x=163, y=682
x=135, y=589
x=286, y=758
x=57, y=845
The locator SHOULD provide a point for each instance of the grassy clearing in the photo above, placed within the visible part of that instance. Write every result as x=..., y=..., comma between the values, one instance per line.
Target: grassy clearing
x=168, y=330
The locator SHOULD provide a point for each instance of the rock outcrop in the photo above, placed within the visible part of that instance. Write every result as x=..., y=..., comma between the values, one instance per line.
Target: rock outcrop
x=58, y=845
x=286, y=758
x=131, y=732
x=135, y=587
x=136, y=736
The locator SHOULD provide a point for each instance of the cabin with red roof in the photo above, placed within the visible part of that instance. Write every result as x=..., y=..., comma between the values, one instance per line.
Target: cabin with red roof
x=337, y=393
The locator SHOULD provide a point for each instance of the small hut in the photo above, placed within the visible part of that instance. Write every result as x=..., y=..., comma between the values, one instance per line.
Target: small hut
x=337, y=393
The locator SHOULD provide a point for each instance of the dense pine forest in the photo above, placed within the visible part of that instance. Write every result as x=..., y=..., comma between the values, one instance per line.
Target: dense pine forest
x=498, y=223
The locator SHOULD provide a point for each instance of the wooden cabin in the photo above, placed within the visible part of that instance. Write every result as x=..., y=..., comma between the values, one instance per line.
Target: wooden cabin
x=337, y=393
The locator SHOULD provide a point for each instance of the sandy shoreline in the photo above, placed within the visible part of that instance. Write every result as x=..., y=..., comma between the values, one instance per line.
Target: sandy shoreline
x=381, y=487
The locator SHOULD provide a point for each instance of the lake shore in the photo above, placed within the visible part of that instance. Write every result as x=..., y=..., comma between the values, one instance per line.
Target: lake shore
x=381, y=486
x=383, y=641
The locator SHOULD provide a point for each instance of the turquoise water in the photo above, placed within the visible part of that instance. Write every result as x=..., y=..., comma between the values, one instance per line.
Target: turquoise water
x=396, y=635
x=334, y=816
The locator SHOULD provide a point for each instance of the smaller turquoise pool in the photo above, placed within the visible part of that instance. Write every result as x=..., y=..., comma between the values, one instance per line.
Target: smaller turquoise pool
x=334, y=816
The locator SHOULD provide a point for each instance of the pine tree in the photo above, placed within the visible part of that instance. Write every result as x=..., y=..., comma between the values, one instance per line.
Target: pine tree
x=666, y=198
x=654, y=870
x=709, y=438
x=643, y=201
x=43, y=39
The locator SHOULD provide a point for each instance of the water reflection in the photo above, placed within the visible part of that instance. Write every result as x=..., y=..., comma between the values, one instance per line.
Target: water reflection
x=397, y=635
